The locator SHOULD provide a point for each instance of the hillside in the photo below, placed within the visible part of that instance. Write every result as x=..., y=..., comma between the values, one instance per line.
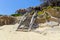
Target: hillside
x=53, y=10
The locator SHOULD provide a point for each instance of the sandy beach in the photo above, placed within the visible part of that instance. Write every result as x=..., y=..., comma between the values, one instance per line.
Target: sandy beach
x=7, y=32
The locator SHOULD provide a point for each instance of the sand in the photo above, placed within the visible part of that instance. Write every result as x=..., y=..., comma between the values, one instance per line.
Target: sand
x=7, y=32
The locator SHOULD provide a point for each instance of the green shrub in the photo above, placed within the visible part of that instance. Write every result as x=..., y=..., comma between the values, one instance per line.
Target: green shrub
x=57, y=8
x=1, y=15
x=16, y=15
x=44, y=8
x=49, y=7
x=47, y=16
x=32, y=12
x=40, y=12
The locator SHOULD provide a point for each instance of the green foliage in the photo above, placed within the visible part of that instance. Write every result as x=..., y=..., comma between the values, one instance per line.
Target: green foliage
x=1, y=15
x=16, y=15
x=47, y=16
x=40, y=12
x=44, y=8
x=32, y=12
x=49, y=7
x=57, y=8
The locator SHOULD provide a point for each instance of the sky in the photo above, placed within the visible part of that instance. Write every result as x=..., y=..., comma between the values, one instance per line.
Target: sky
x=8, y=7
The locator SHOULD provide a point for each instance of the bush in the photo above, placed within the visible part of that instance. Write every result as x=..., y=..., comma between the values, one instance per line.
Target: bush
x=7, y=20
x=47, y=16
x=49, y=7
x=1, y=15
x=40, y=12
x=16, y=15
x=57, y=8
x=44, y=8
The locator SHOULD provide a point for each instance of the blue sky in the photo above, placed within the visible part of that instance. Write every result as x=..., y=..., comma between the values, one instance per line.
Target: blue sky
x=8, y=7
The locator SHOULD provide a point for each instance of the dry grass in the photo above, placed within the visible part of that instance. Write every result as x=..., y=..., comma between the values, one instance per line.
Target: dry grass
x=6, y=20
x=54, y=12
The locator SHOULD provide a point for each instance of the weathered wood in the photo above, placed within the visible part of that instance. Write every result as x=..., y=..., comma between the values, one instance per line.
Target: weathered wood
x=22, y=19
x=32, y=21
x=27, y=20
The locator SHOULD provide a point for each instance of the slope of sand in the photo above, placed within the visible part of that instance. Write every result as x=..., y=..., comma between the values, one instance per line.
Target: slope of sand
x=7, y=32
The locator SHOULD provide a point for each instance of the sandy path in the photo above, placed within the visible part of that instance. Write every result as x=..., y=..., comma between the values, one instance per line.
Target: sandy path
x=8, y=32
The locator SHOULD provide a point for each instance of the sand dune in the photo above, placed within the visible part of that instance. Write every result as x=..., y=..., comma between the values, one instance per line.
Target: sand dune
x=7, y=32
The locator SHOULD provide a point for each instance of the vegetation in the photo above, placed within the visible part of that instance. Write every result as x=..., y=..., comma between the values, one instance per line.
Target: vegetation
x=47, y=16
x=57, y=8
x=1, y=15
x=51, y=2
x=16, y=15
x=47, y=6
x=7, y=20
x=40, y=12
